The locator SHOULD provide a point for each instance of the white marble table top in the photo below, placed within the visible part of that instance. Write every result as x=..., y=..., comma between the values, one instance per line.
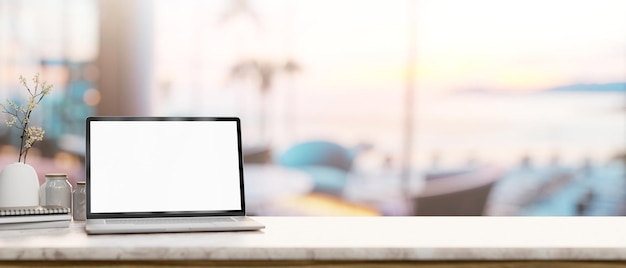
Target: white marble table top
x=342, y=238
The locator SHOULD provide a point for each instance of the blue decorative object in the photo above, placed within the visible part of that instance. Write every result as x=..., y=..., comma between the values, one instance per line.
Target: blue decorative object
x=326, y=162
x=317, y=153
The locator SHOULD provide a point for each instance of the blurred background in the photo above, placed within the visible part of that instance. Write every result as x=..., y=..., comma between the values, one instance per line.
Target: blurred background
x=369, y=107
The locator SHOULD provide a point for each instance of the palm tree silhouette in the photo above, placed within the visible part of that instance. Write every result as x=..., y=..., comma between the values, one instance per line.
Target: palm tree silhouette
x=263, y=73
x=239, y=8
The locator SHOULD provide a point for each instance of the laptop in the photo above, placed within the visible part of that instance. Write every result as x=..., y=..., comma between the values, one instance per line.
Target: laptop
x=165, y=174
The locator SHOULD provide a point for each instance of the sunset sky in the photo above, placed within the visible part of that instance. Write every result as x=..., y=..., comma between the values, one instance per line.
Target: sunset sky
x=488, y=44
x=353, y=55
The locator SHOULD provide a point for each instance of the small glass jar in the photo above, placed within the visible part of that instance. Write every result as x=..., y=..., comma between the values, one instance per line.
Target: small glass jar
x=79, y=199
x=56, y=191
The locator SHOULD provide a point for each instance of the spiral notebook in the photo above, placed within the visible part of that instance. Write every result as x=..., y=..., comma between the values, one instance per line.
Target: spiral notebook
x=34, y=210
x=19, y=218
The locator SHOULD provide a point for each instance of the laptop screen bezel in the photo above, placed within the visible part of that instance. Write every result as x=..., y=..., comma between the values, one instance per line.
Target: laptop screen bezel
x=157, y=214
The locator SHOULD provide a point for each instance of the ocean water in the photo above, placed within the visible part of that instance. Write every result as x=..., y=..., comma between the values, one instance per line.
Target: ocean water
x=449, y=131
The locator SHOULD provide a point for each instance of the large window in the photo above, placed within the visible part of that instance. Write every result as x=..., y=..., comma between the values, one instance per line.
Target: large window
x=527, y=95
x=59, y=40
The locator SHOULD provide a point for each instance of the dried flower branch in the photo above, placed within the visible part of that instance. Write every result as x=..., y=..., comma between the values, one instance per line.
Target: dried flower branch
x=19, y=115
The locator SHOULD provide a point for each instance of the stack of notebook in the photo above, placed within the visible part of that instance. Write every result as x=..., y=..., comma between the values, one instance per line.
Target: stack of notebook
x=34, y=217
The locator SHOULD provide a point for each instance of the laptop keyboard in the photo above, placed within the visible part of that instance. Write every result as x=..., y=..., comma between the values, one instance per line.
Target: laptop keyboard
x=169, y=221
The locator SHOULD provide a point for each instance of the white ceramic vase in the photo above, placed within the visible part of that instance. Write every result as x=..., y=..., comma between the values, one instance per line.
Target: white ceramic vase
x=19, y=186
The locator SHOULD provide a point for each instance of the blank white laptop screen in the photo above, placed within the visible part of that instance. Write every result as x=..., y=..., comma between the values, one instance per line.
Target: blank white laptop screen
x=164, y=166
